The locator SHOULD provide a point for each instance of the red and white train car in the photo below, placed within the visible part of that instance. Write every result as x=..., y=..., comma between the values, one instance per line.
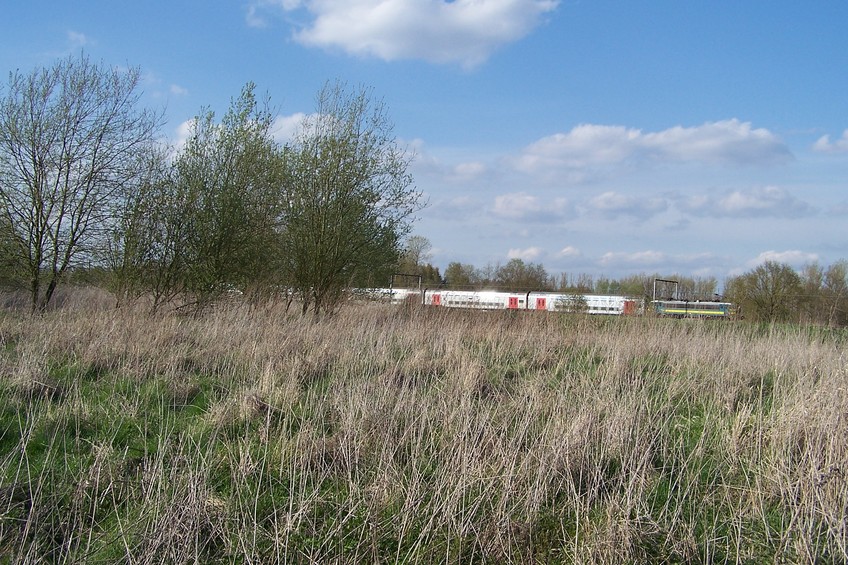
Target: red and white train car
x=548, y=301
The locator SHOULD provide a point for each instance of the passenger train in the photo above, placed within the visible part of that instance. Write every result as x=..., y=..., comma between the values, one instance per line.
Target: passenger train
x=611, y=305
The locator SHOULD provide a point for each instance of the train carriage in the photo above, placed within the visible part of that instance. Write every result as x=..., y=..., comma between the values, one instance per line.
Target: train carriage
x=547, y=301
x=693, y=309
x=597, y=304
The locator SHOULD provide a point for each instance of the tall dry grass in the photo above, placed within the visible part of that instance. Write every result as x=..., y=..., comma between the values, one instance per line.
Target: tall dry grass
x=419, y=435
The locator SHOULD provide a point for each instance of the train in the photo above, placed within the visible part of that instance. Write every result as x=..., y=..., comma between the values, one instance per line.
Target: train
x=500, y=300
x=694, y=309
x=596, y=304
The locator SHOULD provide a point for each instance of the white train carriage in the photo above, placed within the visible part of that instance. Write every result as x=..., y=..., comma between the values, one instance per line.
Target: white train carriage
x=478, y=300
x=586, y=303
x=552, y=302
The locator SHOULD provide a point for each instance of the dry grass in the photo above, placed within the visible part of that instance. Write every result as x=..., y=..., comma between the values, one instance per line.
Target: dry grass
x=407, y=435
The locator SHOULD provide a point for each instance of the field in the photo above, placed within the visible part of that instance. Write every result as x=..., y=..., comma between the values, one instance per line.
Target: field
x=418, y=435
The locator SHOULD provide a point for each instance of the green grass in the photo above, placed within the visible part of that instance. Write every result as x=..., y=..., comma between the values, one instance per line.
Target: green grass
x=418, y=436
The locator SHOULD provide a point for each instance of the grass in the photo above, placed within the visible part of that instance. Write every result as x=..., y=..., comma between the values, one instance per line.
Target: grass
x=418, y=435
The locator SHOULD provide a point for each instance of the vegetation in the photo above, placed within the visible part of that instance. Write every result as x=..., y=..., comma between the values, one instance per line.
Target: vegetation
x=348, y=199
x=771, y=292
x=209, y=221
x=517, y=275
x=514, y=275
x=774, y=292
x=72, y=147
x=414, y=263
x=85, y=185
x=418, y=435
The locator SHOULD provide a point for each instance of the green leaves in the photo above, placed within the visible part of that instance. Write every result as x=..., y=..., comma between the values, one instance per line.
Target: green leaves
x=349, y=198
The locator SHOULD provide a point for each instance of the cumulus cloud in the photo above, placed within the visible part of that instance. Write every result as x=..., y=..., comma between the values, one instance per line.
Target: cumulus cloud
x=183, y=132
x=588, y=145
x=285, y=127
x=825, y=145
x=525, y=207
x=529, y=254
x=762, y=202
x=439, y=31
x=792, y=257
x=615, y=204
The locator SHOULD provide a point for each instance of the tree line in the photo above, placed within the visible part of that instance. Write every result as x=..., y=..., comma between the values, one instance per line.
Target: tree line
x=771, y=292
x=85, y=180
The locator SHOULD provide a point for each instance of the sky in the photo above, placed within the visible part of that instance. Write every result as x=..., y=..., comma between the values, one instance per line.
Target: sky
x=595, y=137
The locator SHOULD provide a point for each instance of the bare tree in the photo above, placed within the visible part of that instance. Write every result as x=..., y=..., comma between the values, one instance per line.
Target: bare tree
x=71, y=142
x=416, y=252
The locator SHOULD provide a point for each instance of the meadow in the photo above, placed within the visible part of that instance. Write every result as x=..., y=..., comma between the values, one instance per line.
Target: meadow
x=413, y=435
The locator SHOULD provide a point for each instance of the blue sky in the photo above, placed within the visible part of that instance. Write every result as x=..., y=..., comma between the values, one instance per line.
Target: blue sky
x=608, y=138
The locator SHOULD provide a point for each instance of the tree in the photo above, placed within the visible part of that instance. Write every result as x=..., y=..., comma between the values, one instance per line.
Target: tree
x=71, y=145
x=145, y=254
x=518, y=275
x=416, y=253
x=349, y=199
x=415, y=260
x=582, y=283
x=812, y=301
x=231, y=175
x=209, y=224
x=835, y=293
x=461, y=276
x=768, y=293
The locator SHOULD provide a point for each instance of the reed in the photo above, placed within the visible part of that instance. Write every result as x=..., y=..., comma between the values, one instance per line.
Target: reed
x=418, y=435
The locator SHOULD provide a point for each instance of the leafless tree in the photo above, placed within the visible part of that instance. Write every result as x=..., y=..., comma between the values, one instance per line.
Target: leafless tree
x=72, y=140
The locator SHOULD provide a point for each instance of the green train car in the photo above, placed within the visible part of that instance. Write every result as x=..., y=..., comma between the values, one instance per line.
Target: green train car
x=687, y=309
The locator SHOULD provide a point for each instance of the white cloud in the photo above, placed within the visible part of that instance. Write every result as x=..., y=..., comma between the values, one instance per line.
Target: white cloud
x=284, y=128
x=184, y=132
x=794, y=258
x=428, y=166
x=588, y=145
x=529, y=254
x=525, y=207
x=701, y=264
x=728, y=141
x=768, y=201
x=585, y=145
x=569, y=252
x=614, y=204
x=254, y=18
x=824, y=145
x=439, y=31
x=469, y=170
